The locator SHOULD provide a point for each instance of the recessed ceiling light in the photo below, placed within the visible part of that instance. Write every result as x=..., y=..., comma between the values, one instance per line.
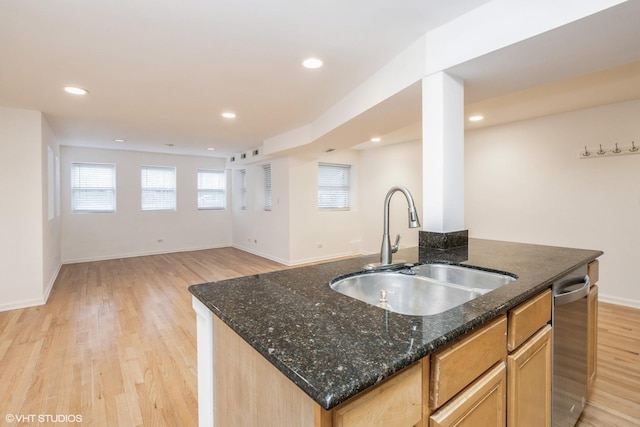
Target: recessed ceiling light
x=169, y=145
x=119, y=140
x=229, y=115
x=476, y=118
x=75, y=90
x=312, y=63
x=211, y=149
x=376, y=139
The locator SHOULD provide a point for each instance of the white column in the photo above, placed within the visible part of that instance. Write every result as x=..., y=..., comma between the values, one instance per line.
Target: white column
x=442, y=153
x=206, y=377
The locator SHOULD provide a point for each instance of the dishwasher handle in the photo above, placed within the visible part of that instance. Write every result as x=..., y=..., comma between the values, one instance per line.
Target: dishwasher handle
x=567, y=297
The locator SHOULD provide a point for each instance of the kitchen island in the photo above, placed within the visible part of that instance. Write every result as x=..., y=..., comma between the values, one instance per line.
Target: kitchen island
x=333, y=347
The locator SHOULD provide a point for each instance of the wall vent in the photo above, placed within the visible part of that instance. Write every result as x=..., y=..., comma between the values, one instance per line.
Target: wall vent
x=243, y=155
x=233, y=159
x=256, y=152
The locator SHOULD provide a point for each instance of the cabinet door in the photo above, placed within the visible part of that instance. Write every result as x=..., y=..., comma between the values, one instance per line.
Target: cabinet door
x=529, y=373
x=592, y=337
x=394, y=403
x=480, y=404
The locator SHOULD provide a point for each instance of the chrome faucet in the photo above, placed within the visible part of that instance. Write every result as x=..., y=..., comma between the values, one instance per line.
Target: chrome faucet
x=387, y=248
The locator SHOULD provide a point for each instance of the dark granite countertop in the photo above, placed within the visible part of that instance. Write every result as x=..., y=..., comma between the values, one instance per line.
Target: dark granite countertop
x=333, y=346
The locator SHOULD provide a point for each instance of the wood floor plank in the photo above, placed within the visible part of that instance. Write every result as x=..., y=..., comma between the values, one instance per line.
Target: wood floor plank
x=615, y=399
x=116, y=344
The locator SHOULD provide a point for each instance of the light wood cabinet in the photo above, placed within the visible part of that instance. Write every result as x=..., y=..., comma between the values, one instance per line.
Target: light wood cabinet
x=593, y=270
x=592, y=337
x=529, y=373
x=456, y=366
x=395, y=403
x=480, y=404
x=527, y=318
x=529, y=363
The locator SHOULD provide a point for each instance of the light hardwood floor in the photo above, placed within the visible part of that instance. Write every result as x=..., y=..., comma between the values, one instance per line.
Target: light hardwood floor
x=116, y=341
x=116, y=345
x=615, y=399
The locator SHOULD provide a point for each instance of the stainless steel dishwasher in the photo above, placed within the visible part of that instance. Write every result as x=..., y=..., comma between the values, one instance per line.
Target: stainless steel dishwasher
x=569, y=385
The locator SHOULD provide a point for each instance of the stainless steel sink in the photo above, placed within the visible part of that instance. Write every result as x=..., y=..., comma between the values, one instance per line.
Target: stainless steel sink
x=422, y=290
x=467, y=277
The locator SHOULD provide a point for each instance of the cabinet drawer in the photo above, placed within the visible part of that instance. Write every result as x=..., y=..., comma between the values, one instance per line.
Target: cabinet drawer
x=458, y=365
x=593, y=271
x=527, y=318
x=480, y=404
x=394, y=403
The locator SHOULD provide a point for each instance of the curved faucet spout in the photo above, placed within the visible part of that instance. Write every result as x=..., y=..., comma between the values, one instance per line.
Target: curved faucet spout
x=387, y=249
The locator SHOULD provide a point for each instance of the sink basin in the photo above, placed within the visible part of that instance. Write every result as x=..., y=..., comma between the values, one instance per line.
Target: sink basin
x=422, y=290
x=464, y=276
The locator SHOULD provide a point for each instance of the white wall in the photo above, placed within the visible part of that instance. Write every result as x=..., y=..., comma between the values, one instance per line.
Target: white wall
x=524, y=182
x=320, y=234
x=380, y=169
x=129, y=231
x=51, y=224
x=295, y=231
x=264, y=233
x=29, y=247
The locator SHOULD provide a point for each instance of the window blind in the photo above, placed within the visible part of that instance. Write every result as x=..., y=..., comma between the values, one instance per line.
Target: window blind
x=333, y=186
x=93, y=187
x=212, y=185
x=158, y=188
x=267, y=187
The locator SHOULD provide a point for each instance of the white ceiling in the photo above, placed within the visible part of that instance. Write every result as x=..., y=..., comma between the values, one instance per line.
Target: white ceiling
x=162, y=72
x=593, y=61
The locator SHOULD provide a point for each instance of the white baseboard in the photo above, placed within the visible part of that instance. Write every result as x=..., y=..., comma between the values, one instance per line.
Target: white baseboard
x=15, y=305
x=137, y=254
x=321, y=258
x=619, y=301
x=293, y=263
x=34, y=302
x=263, y=255
x=52, y=281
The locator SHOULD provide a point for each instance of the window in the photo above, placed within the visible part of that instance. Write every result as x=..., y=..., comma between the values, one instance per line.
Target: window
x=158, y=188
x=212, y=189
x=243, y=189
x=267, y=187
x=333, y=186
x=93, y=187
